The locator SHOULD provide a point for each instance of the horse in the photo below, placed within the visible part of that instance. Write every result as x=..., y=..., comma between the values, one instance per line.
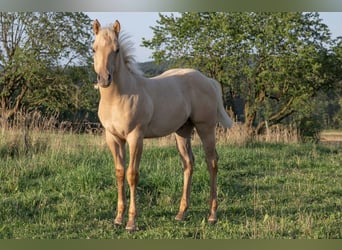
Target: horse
x=133, y=107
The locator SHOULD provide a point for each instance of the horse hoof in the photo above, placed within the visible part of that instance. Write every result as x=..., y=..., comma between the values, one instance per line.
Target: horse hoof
x=180, y=217
x=117, y=225
x=212, y=221
x=118, y=222
x=130, y=227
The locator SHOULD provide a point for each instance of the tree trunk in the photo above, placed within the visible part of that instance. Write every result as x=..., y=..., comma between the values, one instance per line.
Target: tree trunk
x=249, y=121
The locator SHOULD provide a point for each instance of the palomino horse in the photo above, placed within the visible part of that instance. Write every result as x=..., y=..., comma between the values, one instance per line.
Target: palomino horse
x=133, y=107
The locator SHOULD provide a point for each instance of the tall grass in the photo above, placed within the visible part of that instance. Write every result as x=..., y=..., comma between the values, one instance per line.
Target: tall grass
x=27, y=125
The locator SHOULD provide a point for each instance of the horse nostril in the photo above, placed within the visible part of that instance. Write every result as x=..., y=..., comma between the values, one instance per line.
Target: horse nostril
x=104, y=80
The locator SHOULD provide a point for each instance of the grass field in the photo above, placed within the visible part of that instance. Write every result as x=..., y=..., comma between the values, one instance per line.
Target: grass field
x=63, y=186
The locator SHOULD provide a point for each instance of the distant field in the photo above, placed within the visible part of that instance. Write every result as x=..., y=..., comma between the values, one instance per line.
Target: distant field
x=331, y=138
x=61, y=186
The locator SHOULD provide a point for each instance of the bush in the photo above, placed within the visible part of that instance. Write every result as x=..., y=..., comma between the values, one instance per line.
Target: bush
x=310, y=128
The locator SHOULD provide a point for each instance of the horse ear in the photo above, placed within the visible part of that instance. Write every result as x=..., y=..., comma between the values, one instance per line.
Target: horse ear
x=96, y=27
x=117, y=27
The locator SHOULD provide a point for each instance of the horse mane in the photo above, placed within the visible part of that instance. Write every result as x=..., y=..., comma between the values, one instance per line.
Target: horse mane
x=127, y=49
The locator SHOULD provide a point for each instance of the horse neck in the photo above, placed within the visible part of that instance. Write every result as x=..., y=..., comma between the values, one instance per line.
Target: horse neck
x=124, y=82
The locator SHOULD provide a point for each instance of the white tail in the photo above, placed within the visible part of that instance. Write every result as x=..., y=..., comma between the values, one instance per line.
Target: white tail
x=223, y=117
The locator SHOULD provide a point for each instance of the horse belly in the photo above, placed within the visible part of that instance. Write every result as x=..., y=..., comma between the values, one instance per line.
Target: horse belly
x=160, y=130
x=168, y=118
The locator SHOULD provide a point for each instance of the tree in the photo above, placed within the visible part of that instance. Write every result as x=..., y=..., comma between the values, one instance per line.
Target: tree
x=331, y=100
x=274, y=62
x=36, y=49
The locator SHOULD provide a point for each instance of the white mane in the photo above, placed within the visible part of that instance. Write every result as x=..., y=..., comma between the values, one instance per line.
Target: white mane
x=126, y=48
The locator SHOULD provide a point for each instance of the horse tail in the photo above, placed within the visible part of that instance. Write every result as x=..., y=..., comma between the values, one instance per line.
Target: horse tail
x=223, y=117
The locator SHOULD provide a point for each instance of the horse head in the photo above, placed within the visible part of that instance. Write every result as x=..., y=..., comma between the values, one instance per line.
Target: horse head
x=106, y=50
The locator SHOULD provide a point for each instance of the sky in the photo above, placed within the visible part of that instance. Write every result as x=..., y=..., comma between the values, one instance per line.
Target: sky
x=137, y=25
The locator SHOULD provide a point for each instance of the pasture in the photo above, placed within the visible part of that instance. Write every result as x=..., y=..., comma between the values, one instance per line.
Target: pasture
x=62, y=186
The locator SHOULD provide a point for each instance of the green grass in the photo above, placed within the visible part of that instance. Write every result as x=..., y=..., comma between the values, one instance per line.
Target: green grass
x=63, y=186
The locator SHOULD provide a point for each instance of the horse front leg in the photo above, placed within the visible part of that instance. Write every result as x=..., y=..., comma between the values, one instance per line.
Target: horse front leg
x=135, y=142
x=117, y=148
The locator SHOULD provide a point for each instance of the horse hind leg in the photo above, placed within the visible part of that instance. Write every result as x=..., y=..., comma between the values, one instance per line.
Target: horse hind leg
x=207, y=135
x=183, y=140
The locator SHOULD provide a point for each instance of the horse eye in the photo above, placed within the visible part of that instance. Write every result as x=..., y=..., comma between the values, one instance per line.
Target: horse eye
x=93, y=51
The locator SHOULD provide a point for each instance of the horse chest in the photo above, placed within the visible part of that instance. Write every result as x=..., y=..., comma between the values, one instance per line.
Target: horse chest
x=120, y=119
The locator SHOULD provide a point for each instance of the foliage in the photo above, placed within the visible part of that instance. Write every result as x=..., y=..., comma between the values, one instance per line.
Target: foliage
x=61, y=186
x=36, y=51
x=274, y=62
x=152, y=69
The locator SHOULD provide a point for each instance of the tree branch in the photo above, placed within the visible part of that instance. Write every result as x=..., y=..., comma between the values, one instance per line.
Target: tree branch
x=279, y=116
x=12, y=111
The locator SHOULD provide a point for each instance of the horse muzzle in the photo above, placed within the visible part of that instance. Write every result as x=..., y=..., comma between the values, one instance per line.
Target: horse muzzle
x=104, y=80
